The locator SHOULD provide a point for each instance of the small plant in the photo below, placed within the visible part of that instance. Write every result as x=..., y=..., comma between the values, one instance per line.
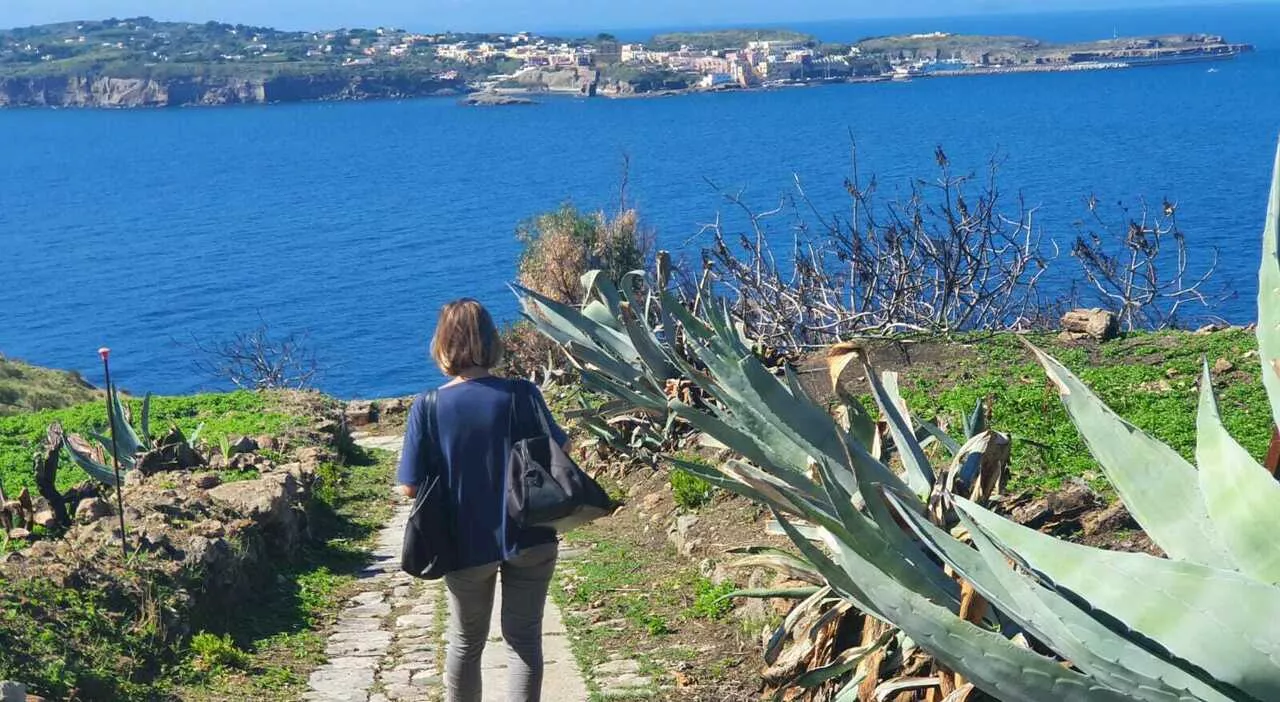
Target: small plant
x=212, y=652
x=691, y=492
x=711, y=601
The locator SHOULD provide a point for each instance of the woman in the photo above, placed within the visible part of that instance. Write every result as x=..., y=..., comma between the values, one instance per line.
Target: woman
x=475, y=423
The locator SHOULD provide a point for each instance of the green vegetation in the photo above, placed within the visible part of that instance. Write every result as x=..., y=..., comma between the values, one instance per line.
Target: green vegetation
x=726, y=39
x=690, y=491
x=25, y=388
x=119, y=639
x=211, y=652
x=281, y=630
x=1148, y=378
x=145, y=48
x=711, y=601
x=1200, y=626
x=241, y=413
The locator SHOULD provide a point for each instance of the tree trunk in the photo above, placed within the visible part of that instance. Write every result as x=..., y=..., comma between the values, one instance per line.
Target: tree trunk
x=46, y=469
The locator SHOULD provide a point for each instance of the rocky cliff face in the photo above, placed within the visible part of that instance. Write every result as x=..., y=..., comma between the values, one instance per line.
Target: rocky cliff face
x=106, y=91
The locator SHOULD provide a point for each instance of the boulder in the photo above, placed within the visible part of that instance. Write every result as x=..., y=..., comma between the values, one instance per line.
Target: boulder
x=1222, y=366
x=46, y=519
x=269, y=502
x=361, y=413
x=206, y=481
x=679, y=533
x=244, y=444
x=1096, y=324
x=91, y=509
x=19, y=534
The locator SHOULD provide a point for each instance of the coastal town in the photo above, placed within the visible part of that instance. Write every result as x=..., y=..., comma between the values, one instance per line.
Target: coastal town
x=145, y=62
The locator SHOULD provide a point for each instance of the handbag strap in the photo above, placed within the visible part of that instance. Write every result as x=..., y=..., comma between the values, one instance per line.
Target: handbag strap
x=517, y=389
x=435, y=454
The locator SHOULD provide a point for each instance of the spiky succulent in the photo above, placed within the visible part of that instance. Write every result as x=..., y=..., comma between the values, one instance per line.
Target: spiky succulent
x=129, y=445
x=1198, y=625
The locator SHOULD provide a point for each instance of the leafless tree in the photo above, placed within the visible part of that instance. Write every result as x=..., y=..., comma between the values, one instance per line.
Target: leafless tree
x=947, y=258
x=259, y=360
x=1142, y=270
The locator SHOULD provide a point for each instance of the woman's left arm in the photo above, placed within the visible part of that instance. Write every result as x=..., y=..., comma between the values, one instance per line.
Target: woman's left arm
x=409, y=473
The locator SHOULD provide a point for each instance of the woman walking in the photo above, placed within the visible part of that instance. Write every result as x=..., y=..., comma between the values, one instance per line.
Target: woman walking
x=476, y=420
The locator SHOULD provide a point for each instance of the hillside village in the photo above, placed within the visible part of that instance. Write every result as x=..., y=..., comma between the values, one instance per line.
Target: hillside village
x=386, y=62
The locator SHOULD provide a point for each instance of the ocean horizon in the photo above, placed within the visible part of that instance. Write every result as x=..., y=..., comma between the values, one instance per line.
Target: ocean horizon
x=353, y=222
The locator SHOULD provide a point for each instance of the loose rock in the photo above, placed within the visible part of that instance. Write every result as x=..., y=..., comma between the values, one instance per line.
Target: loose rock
x=1097, y=324
x=92, y=509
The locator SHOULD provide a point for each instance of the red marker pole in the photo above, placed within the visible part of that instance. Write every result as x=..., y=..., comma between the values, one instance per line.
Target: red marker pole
x=105, y=353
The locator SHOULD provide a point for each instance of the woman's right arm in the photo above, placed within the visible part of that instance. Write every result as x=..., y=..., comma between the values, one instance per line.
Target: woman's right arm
x=414, y=452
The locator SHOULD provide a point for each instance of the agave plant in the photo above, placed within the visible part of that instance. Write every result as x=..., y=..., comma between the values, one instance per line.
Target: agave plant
x=1198, y=625
x=131, y=448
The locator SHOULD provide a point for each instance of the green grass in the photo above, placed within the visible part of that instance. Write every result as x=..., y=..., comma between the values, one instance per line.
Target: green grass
x=709, y=599
x=281, y=630
x=26, y=388
x=119, y=636
x=690, y=491
x=1148, y=379
x=222, y=414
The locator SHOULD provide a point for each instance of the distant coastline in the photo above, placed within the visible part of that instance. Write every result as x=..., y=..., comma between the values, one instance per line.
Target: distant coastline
x=144, y=63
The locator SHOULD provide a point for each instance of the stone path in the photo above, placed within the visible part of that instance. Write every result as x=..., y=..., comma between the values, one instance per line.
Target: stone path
x=388, y=644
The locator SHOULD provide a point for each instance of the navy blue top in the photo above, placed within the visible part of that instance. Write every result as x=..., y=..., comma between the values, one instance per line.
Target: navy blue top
x=475, y=425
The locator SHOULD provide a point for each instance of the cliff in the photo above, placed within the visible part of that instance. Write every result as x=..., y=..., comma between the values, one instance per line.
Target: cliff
x=109, y=91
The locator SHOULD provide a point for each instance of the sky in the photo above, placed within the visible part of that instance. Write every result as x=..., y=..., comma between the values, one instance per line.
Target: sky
x=532, y=15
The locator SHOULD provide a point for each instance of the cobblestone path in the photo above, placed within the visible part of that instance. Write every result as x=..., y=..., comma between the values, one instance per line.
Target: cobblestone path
x=388, y=644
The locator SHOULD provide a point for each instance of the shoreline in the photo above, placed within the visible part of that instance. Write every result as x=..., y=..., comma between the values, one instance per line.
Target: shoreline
x=532, y=94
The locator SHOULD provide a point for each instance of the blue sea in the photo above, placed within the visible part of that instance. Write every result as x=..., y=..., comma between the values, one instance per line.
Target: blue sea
x=353, y=223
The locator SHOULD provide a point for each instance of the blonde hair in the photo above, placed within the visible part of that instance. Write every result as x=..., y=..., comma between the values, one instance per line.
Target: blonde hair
x=465, y=338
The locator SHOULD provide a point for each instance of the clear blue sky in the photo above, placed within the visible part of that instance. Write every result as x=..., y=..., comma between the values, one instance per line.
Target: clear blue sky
x=536, y=15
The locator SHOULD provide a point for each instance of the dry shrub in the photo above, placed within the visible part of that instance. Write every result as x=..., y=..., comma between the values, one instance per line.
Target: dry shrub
x=560, y=246
x=527, y=354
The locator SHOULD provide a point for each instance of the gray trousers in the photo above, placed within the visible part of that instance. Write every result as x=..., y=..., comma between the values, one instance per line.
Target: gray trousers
x=525, y=579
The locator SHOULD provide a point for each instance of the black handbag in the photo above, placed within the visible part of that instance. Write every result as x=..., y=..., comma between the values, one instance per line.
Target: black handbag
x=430, y=547
x=545, y=488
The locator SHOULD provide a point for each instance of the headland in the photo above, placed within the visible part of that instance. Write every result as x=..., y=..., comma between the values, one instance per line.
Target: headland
x=142, y=62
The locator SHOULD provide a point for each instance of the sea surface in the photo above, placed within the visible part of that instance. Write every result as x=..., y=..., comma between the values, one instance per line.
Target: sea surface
x=352, y=223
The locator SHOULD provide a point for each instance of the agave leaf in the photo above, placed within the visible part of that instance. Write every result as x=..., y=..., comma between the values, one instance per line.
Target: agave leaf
x=994, y=663
x=755, y=451
x=774, y=645
x=976, y=422
x=781, y=593
x=596, y=282
x=919, y=473
x=606, y=384
x=952, y=446
x=1095, y=649
x=780, y=562
x=597, y=312
x=1221, y=620
x=717, y=479
x=891, y=688
x=911, y=567
x=563, y=323
x=126, y=462
x=1159, y=487
x=844, y=663
x=96, y=470
x=1269, y=297
x=126, y=439
x=1240, y=495
x=195, y=435
x=651, y=355
x=604, y=364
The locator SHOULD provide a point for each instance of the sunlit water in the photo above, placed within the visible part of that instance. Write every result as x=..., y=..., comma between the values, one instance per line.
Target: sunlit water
x=354, y=222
